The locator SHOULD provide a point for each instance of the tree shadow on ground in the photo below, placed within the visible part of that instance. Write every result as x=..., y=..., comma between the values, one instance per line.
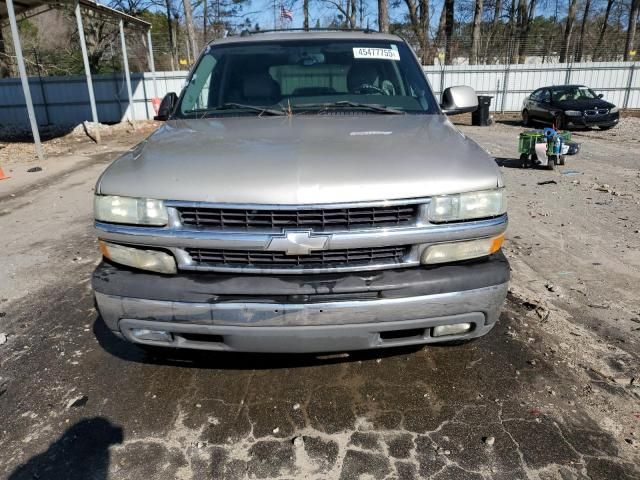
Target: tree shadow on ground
x=81, y=452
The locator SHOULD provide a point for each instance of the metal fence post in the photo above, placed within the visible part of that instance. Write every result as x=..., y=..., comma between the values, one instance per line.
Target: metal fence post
x=505, y=82
x=627, y=92
x=567, y=77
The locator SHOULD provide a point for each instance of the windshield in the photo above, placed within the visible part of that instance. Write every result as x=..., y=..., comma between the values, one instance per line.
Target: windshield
x=308, y=76
x=573, y=93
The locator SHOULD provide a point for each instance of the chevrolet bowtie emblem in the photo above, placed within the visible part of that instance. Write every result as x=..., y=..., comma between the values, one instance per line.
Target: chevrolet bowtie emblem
x=298, y=242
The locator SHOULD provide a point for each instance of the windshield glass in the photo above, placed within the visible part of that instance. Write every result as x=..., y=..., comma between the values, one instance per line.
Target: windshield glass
x=573, y=93
x=310, y=76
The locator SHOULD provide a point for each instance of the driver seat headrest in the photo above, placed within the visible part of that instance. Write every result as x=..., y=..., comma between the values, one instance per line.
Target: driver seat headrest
x=362, y=73
x=261, y=86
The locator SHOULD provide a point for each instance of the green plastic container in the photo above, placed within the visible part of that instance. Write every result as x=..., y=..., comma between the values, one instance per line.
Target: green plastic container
x=528, y=141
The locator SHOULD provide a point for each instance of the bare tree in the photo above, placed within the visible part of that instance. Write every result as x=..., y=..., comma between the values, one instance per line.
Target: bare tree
x=631, y=29
x=495, y=22
x=603, y=30
x=583, y=25
x=524, y=17
x=305, y=13
x=419, y=23
x=448, y=29
x=348, y=11
x=188, y=20
x=441, y=24
x=568, y=28
x=172, y=33
x=383, y=16
x=5, y=66
x=132, y=7
x=475, y=32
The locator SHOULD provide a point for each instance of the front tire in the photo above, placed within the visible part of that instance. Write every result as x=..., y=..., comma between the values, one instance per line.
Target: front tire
x=526, y=121
x=561, y=159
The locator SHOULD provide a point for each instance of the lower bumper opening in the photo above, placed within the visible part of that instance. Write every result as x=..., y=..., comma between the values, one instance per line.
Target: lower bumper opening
x=200, y=337
x=403, y=334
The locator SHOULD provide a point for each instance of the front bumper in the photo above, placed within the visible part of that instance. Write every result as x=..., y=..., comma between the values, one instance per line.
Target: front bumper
x=608, y=120
x=303, y=313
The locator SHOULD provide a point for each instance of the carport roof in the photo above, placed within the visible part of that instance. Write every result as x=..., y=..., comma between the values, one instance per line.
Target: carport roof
x=23, y=6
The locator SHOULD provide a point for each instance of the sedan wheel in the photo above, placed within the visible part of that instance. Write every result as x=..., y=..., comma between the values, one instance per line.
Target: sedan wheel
x=525, y=118
x=561, y=123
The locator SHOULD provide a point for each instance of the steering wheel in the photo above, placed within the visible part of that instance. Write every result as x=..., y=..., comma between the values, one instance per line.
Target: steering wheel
x=370, y=88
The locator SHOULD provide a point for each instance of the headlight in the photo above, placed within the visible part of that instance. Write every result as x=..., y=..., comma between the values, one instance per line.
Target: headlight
x=135, y=211
x=467, y=206
x=458, y=251
x=614, y=110
x=573, y=113
x=153, y=260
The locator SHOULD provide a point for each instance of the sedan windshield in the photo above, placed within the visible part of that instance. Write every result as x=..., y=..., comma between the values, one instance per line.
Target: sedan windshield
x=310, y=77
x=572, y=93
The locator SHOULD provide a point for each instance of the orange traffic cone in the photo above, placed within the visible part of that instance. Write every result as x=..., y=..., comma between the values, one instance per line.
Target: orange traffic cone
x=2, y=175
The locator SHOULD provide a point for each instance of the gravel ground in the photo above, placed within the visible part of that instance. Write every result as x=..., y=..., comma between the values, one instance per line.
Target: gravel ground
x=551, y=393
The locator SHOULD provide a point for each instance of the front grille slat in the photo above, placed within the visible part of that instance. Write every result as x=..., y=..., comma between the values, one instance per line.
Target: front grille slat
x=318, y=219
x=323, y=259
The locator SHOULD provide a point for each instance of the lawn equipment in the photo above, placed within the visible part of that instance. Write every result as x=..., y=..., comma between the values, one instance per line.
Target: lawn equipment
x=546, y=148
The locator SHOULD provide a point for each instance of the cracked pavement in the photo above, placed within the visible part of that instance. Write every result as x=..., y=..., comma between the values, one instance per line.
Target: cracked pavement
x=78, y=403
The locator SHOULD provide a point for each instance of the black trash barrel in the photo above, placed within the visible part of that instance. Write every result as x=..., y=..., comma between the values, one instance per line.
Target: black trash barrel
x=480, y=117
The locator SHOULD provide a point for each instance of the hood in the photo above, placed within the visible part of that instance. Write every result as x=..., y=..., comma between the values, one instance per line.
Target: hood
x=587, y=104
x=302, y=160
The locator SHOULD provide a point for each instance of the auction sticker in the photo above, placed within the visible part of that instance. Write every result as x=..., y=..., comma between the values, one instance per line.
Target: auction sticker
x=377, y=53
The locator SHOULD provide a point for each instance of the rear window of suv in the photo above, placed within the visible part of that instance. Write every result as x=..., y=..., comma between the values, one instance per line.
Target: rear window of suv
x=306, y=76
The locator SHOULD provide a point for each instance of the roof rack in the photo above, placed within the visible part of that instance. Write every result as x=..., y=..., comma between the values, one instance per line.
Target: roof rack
x=245, y=32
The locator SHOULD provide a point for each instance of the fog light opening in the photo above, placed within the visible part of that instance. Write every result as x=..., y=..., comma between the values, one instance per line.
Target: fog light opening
x=453, y=329
x=151, y=335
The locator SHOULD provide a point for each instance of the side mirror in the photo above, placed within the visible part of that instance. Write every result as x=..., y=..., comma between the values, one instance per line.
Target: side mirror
x=600, y=95
x=460, y=99
x=166, y=107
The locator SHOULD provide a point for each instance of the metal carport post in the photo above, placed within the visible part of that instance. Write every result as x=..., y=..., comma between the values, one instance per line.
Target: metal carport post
x=24, y=80
x=87, y=72
x=125, y=62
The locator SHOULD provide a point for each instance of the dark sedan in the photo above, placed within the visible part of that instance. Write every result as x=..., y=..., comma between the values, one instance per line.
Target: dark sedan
x=571, y=105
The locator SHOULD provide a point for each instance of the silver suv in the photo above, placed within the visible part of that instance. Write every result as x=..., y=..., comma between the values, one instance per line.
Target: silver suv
x=307, y=193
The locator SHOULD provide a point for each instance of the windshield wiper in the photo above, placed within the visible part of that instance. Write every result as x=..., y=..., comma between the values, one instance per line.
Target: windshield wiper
x=240, y=106
x=349, y=104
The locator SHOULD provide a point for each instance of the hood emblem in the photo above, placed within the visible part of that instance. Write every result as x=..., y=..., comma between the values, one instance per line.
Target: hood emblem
x=298, y=242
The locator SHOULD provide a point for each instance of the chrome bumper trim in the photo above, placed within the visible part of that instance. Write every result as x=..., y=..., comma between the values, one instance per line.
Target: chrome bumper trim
x=376, y=237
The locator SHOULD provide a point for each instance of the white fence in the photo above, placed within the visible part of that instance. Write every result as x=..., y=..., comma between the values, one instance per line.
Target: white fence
x=65, y=101
x=619, y=82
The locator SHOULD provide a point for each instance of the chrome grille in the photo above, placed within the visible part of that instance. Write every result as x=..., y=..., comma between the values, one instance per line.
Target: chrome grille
x=208, y=257
x=597, y=111
x=318, y=219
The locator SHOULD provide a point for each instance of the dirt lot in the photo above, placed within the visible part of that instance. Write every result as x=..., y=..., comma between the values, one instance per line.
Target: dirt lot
x=552, y=393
